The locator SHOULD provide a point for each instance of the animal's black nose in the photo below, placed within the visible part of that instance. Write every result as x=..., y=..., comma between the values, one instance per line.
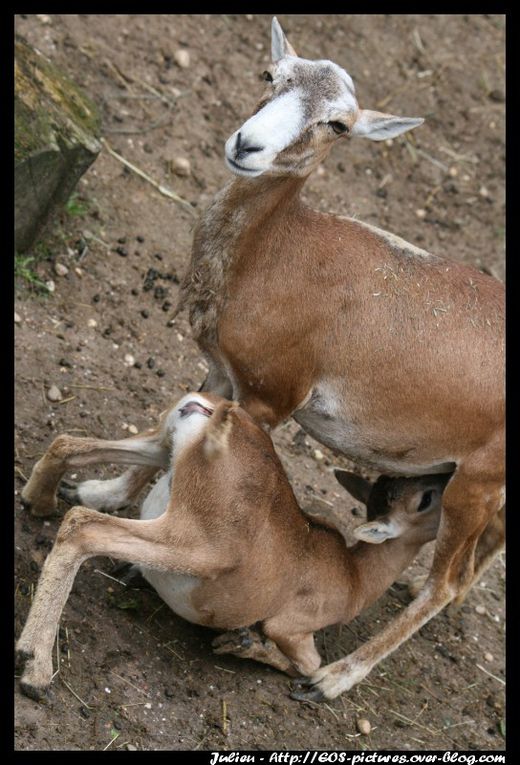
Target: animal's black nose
x=242, y=148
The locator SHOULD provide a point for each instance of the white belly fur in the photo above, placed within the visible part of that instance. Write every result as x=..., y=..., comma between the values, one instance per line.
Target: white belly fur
x=325, y=418
x=174, y=589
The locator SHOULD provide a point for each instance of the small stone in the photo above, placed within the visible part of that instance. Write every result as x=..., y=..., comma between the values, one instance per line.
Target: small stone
x=480, y=610
x=131, y=748
x=321, y=171
x=44, y=18
x=92, y=323
x=182, y=58
x=318, y=455
x=133, y=430
x=145, y=314
x=60, y=269
x=181, y=166
x=17, y=318
x=129, y=360
x=54, y=393
x=453, y=172
x=488, y=657
x=421, y=213
x=484, y=192
x=249, y=16
x=124, y=426
x=497, y=95
x=50, y=285
x=363, y=726
x=78, y=272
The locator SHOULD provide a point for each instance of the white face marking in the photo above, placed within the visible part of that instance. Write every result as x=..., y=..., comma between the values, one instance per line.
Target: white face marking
x=271, y=129
x=184, y=429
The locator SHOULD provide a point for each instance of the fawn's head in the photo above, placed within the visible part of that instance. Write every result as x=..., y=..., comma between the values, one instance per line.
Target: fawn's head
x=306, y=107
x=397, y=507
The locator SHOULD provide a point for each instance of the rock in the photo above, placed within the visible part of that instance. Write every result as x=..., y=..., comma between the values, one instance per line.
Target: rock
x=129, y=360
x=497, y=95
x=182, y=58
x=488, y=656
x=92, y=323
x=51, y=286
x=56, y=140
x=133, y=430
x=420, y=213
x=363, y=726
x=480, y=610
x=60, y=269
x=181, y=167
x=17, y=318
x=131, y=748
x=318, y=455
x=54, y=393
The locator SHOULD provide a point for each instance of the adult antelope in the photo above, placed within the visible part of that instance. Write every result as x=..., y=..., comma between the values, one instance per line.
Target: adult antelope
x=378, y=349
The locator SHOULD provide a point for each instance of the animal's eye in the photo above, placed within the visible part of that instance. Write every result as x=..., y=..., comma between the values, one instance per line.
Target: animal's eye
x=339, y=127
x=426, y=501
x=267, y=76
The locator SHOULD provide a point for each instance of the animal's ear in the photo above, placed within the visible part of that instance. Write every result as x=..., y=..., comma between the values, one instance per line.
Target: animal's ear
x=280, y=45
x=378, y=126
x=376, y=532
x=359, y=487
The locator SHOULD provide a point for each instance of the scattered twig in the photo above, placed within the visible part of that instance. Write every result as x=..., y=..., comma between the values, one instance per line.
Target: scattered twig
x=224, y=718
x=223, y=669
x=161, y=189
x=140, y=131
x=129, y=683
x=114, y=738
x=75, y=694
x=66, y=400
x=435, y=162
x=92, y=387
x=98, y=571
x=498, y=679
x=412, y=723
x=20, y=473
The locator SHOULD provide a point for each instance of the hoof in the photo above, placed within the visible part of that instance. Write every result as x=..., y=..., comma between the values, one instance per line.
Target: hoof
x=233, y=641
x=32, y=691
x=304, y=691
x=68, y=491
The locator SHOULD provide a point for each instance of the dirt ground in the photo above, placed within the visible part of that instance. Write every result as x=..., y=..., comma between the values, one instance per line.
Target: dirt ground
x=132, y=675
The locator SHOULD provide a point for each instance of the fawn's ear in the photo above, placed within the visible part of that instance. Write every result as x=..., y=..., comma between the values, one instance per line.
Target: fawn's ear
x=376, y=532
x=280, y=45
x=359, y=487
x=219, y=427
x=378, y=126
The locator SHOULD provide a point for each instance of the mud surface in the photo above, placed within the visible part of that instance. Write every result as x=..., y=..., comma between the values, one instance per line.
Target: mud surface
x=131, y=674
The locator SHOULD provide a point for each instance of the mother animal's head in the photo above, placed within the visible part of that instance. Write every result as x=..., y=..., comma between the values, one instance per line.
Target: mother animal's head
x=306, y=107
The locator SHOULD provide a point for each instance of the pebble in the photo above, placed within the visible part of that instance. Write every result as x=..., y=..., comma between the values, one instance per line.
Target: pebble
x=497, y=95
x=50, y=285
x=132, y=429
x=17, y=318
x=54, y=393
x=60, y=269
x=181, y=166
x=421, y=213
x=182, y=58
x=488, y=657
x=92, y=323
x=363, y=726
x=481, y=610
x=145, y=314
x=453, y=172
x=318, y=455
x=131, y=748
x=484, y=192
x=129, y=360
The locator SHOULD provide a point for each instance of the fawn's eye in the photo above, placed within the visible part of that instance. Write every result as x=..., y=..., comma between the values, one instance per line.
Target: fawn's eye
x=267, y=76
x=339, y=127
x=426, y=501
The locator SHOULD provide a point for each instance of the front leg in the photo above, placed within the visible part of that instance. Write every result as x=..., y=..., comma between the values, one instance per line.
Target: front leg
x=248, y=644
x=66, y=452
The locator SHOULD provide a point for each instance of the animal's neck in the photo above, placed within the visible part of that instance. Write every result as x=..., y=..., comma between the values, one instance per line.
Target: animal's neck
x=241, y=207
x=376, y=568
